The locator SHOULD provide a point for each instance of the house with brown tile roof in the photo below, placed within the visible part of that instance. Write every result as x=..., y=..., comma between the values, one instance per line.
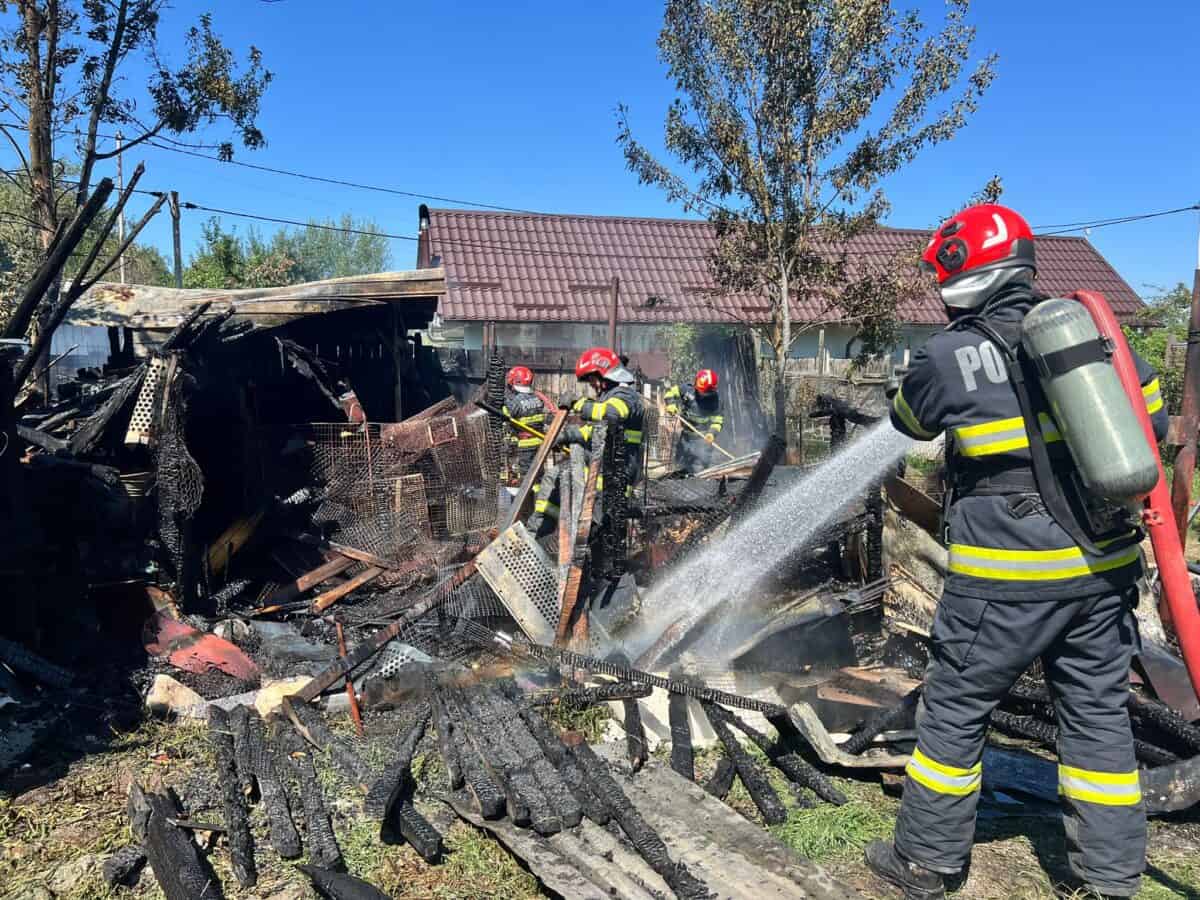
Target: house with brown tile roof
x=545, y=280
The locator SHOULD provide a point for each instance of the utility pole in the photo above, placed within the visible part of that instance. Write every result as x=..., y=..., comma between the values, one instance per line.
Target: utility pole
x=1189, y=414
x=612, y=314
x=173, y=203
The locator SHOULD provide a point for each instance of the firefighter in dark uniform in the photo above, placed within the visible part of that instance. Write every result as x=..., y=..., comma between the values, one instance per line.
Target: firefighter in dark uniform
x=1020, y=586
x=700, y=408
x=616, y=402
x=527, y=407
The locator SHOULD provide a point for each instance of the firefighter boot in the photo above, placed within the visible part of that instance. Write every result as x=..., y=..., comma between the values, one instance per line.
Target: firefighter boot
x=917, y=882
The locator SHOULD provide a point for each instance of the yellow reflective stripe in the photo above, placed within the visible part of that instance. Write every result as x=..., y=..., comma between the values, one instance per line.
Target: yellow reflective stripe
x=1001, y=436
x=1153, y=394
x=1104, y=788
x=537, y=487
x=941, y=778
x=545, y=506
x=526, y=443
x=632, y=437
x=900, y=405
x=597, y=411
x=1037, y=565
x=714, y=428
x=578, y=405
x=586, y=431
x=672, y=409
x=619, y=405
x=671, y=392
x=599, y=482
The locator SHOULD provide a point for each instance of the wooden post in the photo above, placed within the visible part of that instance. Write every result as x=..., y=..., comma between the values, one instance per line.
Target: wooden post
x=1185, y=461
x=399, y=339
x=173, y=202
x=614, y=295
x=821, y=352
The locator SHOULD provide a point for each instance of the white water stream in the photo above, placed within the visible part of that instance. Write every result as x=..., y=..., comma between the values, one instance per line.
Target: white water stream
x=728, y=569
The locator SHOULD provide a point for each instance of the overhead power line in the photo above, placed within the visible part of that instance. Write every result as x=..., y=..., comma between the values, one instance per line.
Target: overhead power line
x=1047, y=230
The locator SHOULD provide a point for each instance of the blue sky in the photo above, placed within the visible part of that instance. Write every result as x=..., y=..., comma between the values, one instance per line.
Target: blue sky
x=1095, y=113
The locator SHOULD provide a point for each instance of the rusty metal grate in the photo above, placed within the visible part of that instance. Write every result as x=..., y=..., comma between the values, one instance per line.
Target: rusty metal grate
x=525, y=580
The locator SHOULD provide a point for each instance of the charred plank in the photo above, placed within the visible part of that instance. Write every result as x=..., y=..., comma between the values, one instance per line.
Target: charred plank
x=243, y=748
x=233, y=801
x=635, y=735
x=1165, y=719
x=490, y=796
x=581, y=698
x=397, y=777
x=560, y=757
x=415, y=829
x=720, y=782
x=174, y=858
x=748, y=770
x=562, y=801
x=446, y=747
x=340, y=886
x=797, y=769
x=323, y=848
x=1031, y=728
x=312, y=727
x=882, y=720
x=644, y=838
x=267, y=768
x=683, y=757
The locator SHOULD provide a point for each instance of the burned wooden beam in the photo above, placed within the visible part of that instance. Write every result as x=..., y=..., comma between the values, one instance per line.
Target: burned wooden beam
x=883, y=720
x=1165, y=720
x=266, y=766
x=340, y=886
x=446, y=746
x=490, y=796
x=644, y=838
x=310, y=724
x=561, y=799
x=683, y=757
x=397, y=777
x=415, y=828
x=720, y=782
x=124, y=866
x=243, y=748
x=174, y=857
x=748, y=771
x=562, y=760
x=1034, y=729
x=233, y=801
x=490, y=727
x=323, y=847
x=581, y=698
x=797, y=769
x=17, y=657
x=636, y=750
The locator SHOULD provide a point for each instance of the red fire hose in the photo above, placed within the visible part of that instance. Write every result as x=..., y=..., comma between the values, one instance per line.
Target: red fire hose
x=1178, y=603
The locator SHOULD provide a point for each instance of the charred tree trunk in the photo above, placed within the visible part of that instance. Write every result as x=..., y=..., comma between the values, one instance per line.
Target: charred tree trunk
x=237, y=822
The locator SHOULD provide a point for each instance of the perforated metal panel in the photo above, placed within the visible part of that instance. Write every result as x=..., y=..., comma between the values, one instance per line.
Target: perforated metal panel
x=525, y=580
x=141, y=422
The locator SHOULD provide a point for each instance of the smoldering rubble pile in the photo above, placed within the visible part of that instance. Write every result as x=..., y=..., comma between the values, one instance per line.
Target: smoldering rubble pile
x=280, y=576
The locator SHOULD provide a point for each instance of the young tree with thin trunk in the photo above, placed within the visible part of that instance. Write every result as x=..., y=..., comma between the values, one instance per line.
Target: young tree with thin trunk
x=790, y=115
x=61, y=64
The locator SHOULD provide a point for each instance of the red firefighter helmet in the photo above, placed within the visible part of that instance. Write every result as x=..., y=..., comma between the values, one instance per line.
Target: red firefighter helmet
x=603, y=362
x=519, y=377
x=978, y=251
x=706, y=381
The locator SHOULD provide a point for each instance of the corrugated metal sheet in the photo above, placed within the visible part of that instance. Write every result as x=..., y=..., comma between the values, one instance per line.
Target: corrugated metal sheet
x=555, y=268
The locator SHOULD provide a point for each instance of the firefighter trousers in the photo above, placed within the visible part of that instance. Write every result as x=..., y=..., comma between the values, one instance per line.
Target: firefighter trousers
x=980, y=648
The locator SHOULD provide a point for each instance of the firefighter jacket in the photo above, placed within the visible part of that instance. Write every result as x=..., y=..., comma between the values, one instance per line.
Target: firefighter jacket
x=619, y=405
x=528, y=409
x=1003, y=544
x=701, y=411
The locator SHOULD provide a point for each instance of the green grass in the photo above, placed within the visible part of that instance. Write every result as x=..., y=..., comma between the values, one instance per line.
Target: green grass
x=834, y=832
x=590, y=721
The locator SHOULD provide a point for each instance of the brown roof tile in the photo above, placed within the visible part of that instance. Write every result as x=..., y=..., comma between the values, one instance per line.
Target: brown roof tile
x=554, y=268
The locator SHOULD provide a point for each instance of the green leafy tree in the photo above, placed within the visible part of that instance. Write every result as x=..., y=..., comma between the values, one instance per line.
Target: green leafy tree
x=61, y=64
x=1163, y=321
x=790, y=114
x=228, y=260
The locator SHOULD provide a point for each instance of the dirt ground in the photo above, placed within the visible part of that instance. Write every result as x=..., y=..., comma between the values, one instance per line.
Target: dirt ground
x=61, y=818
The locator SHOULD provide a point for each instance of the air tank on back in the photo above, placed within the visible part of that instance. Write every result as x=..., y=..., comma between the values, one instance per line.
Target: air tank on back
x=1091, y=408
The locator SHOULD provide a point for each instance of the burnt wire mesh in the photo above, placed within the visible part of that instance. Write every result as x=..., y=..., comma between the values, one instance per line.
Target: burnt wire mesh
x=180, y=483
x=399, y=490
